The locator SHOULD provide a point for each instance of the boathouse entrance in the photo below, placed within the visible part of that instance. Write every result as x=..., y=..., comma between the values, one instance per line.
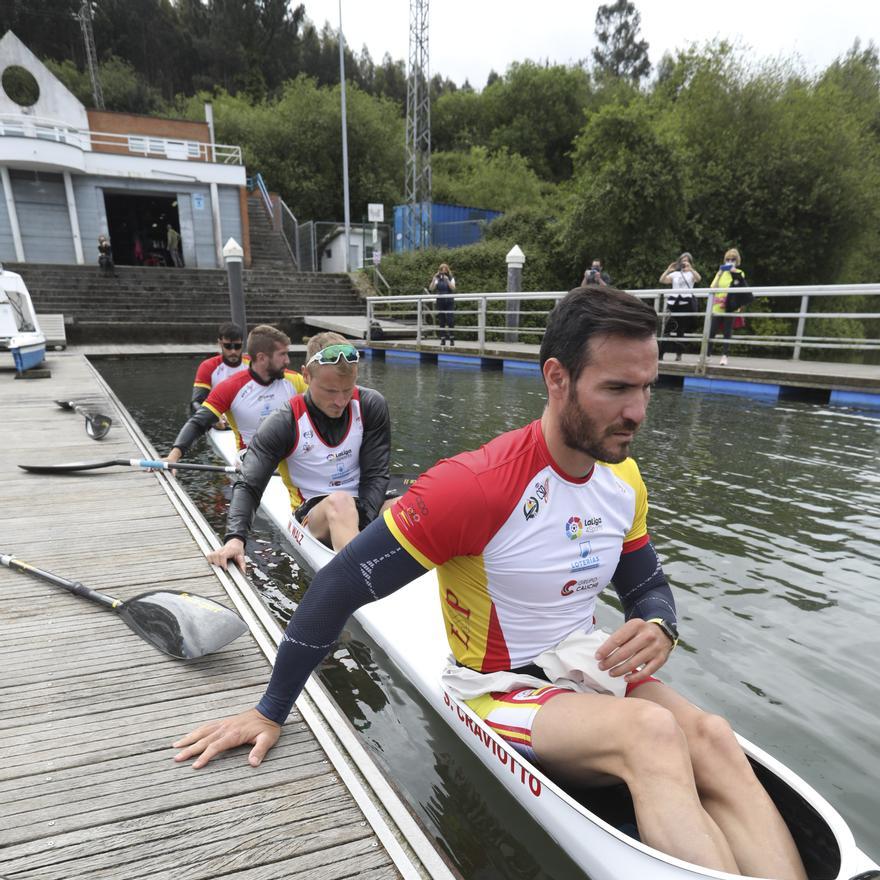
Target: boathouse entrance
x=138, y=227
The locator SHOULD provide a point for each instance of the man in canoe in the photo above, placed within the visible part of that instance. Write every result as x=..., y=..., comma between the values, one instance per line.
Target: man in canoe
x=213, y=370
x=332, y=447
x=524, y=534
x=248, y=397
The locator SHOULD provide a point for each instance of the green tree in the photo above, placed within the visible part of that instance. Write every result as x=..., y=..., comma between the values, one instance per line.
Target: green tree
x=498, y=181
x=620, y=53
x=295, y=142
x=626, y=199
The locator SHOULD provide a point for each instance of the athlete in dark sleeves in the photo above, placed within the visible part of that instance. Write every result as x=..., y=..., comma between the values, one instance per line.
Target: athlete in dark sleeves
x=247, y=398
x=332, y=447
x=213, y=370
x=524, y=534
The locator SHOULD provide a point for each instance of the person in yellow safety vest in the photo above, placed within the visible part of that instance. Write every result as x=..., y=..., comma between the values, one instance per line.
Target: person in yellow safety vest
x=727, y=275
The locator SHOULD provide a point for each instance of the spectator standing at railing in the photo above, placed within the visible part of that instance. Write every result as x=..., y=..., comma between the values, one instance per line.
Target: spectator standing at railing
x=728, y=275
x=595, y=274
x=682, y=275
x=443, y=284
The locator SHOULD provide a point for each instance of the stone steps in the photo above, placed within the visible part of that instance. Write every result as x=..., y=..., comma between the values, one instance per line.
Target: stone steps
x=146, y=304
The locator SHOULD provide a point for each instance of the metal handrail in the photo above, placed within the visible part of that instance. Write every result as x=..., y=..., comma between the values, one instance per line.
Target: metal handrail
x=264, y=192
x=288, y=218
x=137, y=143
x=412, y=319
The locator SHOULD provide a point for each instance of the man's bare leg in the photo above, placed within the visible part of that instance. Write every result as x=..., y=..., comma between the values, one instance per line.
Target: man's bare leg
x=730, y=791
x=336, y=518
x=588, y=738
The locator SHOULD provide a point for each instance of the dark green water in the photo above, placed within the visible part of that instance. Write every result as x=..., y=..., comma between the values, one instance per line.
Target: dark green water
x=766, y=519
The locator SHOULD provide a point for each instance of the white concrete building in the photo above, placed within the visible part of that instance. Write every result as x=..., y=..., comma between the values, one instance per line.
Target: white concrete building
x=69, y=174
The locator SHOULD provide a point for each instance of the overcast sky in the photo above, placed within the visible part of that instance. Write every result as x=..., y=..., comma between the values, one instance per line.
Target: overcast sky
x=471, y=37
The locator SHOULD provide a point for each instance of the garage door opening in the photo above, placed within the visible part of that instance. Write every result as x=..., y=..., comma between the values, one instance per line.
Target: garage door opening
x=144, y=230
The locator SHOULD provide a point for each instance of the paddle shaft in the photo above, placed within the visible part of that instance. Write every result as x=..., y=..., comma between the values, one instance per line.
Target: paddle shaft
x=71, y=586
x=145, y=463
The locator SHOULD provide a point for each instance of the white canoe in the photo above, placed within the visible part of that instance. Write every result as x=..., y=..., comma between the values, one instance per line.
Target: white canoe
x=409, y=628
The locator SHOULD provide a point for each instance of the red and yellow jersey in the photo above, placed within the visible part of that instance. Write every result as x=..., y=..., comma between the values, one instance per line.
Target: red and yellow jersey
x=245, y=400
x=522, y=549
x=214, y=370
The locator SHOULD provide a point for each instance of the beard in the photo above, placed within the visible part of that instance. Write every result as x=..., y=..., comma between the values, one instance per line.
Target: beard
x=232, y=360
x=583, y=434
x=277, y=373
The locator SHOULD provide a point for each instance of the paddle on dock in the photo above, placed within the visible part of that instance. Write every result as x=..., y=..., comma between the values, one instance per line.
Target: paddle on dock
x=97, y=424
x=179, y=624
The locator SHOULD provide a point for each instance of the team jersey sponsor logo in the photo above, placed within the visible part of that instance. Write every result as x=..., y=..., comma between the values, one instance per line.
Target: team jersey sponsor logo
x=531, y=508
x=574, y=528
x=334, y=456
x=542, y=490
x=569, y=588
x=585, y=563
x=592, y=524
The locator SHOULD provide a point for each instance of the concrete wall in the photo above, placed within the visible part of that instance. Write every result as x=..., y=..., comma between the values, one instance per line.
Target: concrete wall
x=55, y=101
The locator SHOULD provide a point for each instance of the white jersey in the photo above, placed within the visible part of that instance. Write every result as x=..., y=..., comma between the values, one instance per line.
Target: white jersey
x=315, y=468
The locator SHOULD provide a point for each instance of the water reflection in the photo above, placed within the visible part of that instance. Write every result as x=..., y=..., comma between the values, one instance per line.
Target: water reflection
x=766, y=519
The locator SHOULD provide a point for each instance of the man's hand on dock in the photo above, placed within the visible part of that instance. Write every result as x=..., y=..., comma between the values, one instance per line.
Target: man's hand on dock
x=233, y=550
x=215, y=737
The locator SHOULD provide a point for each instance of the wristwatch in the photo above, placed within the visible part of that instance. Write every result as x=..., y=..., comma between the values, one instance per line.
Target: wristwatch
x=670, y=630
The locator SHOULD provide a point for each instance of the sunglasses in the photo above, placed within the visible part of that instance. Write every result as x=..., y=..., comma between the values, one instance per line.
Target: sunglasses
x=332, y=353
x=231, y=346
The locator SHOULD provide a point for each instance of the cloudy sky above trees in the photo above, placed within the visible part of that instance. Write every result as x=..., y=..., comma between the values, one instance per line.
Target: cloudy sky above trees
x=469, y=39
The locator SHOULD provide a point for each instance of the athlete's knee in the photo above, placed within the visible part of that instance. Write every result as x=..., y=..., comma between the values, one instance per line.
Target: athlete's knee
x=715, y=752
x=340, y=505
x=652, y=739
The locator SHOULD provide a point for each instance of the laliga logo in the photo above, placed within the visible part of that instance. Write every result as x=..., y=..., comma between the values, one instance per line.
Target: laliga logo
x=573, y=528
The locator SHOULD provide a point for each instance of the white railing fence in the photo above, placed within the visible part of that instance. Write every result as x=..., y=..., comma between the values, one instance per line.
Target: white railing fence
x=490, y=319
x=16, y=125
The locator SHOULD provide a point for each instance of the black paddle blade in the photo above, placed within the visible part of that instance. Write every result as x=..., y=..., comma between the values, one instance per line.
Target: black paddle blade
x=70, y=467
x=66, y=404
x=181, y=624
x=97, y=426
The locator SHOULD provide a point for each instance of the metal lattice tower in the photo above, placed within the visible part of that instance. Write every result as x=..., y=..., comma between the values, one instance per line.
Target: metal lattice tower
x=417, y=187
x=85, y=22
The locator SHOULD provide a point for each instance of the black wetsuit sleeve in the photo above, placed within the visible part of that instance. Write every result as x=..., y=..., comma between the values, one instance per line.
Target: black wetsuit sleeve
x=198, y=397
x=372, y=566
x=375, y=455
x=271, y=444
x=196, y=427
x=642, y=585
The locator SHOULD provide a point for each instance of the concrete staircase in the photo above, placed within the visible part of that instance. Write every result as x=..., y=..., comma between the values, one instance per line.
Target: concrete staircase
x=135, y=304
x=268, y=248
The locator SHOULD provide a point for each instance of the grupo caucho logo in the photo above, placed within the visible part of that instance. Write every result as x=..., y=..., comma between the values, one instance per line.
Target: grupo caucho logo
x=574, y=528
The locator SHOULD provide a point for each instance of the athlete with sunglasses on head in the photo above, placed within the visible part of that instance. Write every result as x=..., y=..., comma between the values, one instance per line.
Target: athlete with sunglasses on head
x=247, y=397
x=332, y=447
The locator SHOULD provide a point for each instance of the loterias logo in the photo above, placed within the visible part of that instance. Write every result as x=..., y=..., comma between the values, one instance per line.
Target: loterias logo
x=530, y=508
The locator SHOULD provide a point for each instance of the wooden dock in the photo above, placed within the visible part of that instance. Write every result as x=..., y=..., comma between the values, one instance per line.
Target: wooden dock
x=88, y=787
